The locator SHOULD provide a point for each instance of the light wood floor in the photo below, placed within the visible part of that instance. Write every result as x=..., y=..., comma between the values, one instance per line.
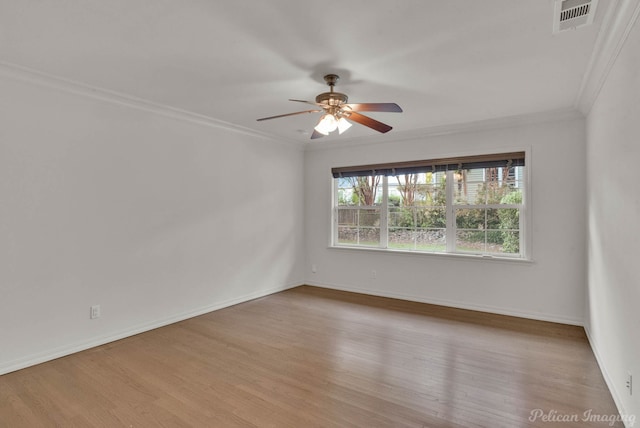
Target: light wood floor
x=310, y=357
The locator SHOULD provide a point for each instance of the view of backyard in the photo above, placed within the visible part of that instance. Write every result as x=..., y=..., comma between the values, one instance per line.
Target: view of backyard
x=410, y=211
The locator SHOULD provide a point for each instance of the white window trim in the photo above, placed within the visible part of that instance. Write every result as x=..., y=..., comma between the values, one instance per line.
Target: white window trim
x=525, y=221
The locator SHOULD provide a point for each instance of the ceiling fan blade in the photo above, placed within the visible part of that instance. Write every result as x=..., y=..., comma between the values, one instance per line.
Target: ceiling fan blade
x=367, y=121
x=316, y=134
x=306, y=102
x=386, y=107
x=288, y=114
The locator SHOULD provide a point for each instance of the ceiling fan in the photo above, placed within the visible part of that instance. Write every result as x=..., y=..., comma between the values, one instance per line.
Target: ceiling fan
x=336, y=111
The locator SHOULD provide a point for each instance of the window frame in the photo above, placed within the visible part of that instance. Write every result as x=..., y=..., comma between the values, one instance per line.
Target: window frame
x=450, y=227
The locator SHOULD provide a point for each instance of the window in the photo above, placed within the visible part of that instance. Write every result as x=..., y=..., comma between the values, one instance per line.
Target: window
x=463, y=205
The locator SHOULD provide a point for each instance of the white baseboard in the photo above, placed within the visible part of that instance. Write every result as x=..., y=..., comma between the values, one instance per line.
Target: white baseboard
x=52, y=354
x=607, y=377
x=454, y=304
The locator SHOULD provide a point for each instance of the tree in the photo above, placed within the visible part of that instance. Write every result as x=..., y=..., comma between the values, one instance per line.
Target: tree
x=365, y=188
x=408, y=188
x=434, y=214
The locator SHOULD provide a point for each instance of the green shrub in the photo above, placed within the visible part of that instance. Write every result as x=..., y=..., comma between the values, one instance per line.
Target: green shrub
x=510, y=220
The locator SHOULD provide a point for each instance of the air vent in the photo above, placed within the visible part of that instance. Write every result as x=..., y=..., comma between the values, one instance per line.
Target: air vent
x=571, y=14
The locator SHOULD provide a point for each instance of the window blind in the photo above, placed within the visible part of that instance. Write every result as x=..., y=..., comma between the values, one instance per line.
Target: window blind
x=497, y=160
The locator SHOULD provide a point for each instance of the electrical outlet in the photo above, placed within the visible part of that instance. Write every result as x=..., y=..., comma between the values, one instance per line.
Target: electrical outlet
x=629, y=383
x=314, y=268
x=374, y=274
x=95, y=312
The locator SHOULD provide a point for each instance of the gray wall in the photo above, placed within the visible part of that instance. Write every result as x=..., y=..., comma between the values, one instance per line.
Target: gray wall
x=550, y=287
x=144, y=214
x=613, y=156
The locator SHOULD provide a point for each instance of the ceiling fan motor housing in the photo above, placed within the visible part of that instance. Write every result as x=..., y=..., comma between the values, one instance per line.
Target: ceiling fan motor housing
x=332, y=98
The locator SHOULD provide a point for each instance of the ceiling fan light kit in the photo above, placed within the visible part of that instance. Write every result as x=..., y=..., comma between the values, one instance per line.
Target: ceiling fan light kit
x=336, y=111
x=328, y=124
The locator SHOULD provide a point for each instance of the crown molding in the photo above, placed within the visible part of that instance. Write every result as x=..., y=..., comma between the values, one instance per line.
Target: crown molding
x=35, y=77
x=619, y=20
x=456, y=128
x=38, y=78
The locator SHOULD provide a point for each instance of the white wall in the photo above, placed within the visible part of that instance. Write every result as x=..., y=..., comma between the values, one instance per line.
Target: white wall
x=613, y=156
x=141, y=213
x=549, y=288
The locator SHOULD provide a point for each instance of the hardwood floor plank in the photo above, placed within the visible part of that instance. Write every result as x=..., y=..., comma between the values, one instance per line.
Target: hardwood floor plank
x=311, y=357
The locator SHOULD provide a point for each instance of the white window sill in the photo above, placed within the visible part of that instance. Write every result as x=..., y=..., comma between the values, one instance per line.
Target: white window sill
x=459, y=256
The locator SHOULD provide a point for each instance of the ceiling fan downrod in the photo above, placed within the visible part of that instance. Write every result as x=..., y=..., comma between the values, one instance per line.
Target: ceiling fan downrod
x=331, y=80
x=331, y=98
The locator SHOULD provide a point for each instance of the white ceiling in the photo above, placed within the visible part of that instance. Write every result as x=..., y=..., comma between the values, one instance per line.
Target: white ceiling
x=446, y=62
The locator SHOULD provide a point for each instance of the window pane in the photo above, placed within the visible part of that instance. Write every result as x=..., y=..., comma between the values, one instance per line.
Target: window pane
x=359, y=226
x=402, y=238
x=508, y=218
x=347, y=217
x=435, y=217
x=471, y=218
x=432, y=240
x=488, y=186
x=369, y=236
x=511, y=195
x=347, y=235
x=359, y=191
x=488, y=242
x=493, y=221
x=358, y=217
x=510, y=241
x=402, y=217
x=369, y=217
x=365, y=236
x=467, y=186
x=471, y=241
x=434, y=191
x=345, y=192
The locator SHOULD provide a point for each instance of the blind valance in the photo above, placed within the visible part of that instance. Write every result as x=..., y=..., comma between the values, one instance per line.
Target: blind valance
x=497, y=160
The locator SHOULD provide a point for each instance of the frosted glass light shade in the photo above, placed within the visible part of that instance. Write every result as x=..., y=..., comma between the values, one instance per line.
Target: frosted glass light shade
x=343, y=125
x=327, y=124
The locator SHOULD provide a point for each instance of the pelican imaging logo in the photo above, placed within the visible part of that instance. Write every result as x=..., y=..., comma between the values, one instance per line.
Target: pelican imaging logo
x=553, y=416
